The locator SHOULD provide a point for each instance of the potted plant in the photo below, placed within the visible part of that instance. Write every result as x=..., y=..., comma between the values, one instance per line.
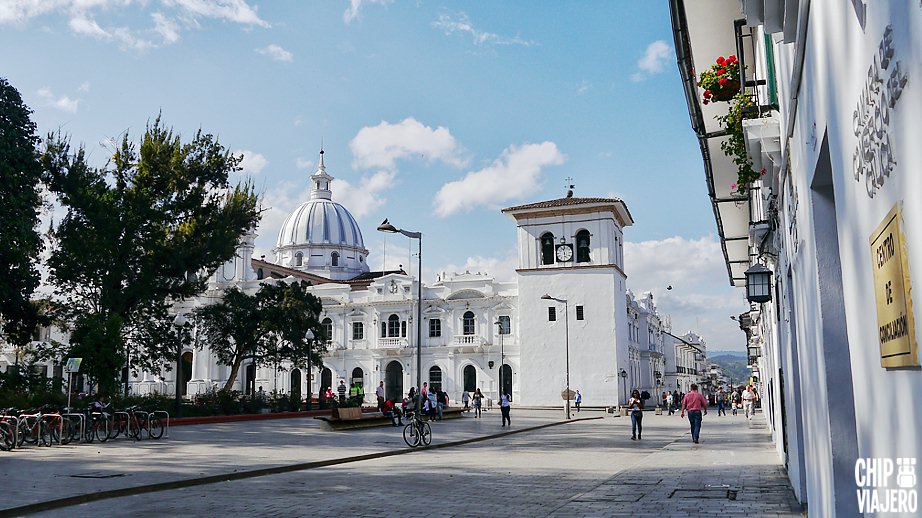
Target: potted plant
x=721, y=82
x=734, y=147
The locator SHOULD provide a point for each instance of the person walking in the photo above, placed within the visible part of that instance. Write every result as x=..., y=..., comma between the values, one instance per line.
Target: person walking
x=694, y=403
x=669, y=403
x=579, y=399
x=721, y=402
x=504, y=408
x=379, y=393
x=635, y=406
x=466, y=400
x=734, y=401
x=749, y=397
x=478, y=402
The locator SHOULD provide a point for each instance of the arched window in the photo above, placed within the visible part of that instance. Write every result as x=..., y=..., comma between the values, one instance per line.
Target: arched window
x=435, y=378
x=299, y=259
x=582, y=246
x=547, y=248
x=358, y=377
x=470, y=378
x=259, y=274
x=468, y=323
x=334, y=259
x=327, y=329
x=393, y=326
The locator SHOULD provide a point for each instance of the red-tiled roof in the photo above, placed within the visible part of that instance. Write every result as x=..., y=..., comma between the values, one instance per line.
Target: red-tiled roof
x=562, y=202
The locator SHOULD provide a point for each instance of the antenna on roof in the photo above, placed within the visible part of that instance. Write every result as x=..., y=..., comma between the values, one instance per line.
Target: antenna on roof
x=569, y=187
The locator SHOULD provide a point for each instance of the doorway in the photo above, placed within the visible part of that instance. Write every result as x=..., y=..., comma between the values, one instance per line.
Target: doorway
x=393, y=381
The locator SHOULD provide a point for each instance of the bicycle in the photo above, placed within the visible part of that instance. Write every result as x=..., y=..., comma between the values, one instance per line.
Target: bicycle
x=7, y=436
x=417, y=431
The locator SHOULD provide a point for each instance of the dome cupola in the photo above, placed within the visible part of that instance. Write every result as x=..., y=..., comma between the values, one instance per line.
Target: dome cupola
x=321, y=236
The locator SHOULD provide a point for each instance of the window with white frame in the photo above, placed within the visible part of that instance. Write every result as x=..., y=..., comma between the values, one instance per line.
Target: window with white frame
x=358, y=331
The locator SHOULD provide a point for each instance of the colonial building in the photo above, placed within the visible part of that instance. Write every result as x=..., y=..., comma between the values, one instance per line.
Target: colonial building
x=826, y=228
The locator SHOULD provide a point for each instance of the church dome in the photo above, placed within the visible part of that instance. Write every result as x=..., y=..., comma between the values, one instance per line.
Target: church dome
x=321, y=236
x=320, y=221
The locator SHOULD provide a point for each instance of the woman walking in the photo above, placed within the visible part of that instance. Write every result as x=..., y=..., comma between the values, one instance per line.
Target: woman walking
x=635, y=405
x=477, y=398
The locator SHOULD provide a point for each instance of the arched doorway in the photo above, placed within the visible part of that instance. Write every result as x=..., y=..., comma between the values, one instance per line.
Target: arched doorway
x=358, y=379
x=506, y=372
x=435, y=378
x=186, y=373
x=249, y=381
x=326, y=379
x=470, y=378
x=393, y=381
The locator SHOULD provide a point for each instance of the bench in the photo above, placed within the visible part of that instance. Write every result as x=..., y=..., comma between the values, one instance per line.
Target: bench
x=352, y=418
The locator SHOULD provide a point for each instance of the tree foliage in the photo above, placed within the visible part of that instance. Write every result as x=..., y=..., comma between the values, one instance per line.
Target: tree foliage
x=20, y=243
x=136, y=231
x=268, y=327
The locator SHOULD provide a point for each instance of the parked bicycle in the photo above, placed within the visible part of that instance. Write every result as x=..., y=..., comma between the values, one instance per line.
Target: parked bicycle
x=417, y=431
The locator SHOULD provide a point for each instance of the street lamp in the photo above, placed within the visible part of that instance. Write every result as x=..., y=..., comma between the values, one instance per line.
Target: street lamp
x=623, y=375
x=566, y=322
x=502, y=357
x=310, y=376
x=179, y=322
x=385, y=226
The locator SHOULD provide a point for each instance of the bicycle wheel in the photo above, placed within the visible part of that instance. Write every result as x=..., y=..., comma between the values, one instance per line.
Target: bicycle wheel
x=101, y=429
x=134, y=428
x=425, y=434
x=113, y=426
x=71, y=431
x=155, y=428
x=411, y=434
x=6, y=437
x=54, y=430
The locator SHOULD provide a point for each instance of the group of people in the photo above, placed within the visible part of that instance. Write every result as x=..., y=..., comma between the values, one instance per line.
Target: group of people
x=434, y=400
x=695, y=403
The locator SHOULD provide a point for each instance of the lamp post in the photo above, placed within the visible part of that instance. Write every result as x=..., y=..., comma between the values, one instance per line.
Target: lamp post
x=310, y=376
x=179, y=322
x=566, y=322
x=385, y=226
x=502, y=357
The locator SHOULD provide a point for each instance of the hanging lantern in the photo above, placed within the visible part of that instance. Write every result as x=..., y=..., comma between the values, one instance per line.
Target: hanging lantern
x=758, y=284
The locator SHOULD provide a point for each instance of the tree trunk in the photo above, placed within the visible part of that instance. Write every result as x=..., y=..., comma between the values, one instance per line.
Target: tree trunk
x=232, y=377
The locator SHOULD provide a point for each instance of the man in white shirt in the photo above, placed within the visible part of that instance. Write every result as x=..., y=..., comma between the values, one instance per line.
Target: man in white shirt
x=379, y=392
x=749, y=397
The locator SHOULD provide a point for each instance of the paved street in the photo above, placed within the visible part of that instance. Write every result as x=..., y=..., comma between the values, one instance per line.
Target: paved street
x=583, y=468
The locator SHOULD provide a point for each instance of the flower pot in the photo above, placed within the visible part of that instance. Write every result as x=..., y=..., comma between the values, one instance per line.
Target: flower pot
x=727, y=92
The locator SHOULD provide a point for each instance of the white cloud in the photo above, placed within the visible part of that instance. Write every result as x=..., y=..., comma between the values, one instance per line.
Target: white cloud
x=253, y=163
x=277, y=53
x=382, y=145
x=653, y=61
x=702, y=299
x=167, y=28
x=63, y=103
x=277, y=203
x=364, y=198
x=303, y=163
x=82, y=18
x=501, y=268
x=460, y=23
x=355, y=6
x=513, y=175
x=84, y=87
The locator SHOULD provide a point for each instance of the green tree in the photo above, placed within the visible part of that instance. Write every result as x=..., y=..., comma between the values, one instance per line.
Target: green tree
x=233, y=330
x=20, y=243
x=136, y=232
x=289, y=311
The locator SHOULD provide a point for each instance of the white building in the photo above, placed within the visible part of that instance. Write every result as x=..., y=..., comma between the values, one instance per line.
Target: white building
x=834, y=219
x=474, y=326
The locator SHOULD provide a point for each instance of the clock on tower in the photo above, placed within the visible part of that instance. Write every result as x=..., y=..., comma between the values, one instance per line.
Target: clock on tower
x=564, y=253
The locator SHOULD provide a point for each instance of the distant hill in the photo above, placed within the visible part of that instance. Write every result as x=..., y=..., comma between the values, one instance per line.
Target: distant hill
x=733, y=363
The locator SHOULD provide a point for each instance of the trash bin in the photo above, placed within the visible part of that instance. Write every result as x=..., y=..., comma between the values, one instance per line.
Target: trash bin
x=658, y=411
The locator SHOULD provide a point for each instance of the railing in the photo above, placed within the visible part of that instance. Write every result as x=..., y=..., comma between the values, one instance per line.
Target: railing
x=467, y=340
x=392, y=343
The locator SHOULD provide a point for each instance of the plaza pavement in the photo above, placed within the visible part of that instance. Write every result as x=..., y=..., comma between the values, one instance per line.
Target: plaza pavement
x=581, y=468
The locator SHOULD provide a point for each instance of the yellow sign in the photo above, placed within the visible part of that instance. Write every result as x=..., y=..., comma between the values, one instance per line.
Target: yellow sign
x=896, y=329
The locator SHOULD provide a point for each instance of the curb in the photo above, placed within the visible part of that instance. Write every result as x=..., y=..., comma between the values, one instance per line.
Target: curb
x=240, y=475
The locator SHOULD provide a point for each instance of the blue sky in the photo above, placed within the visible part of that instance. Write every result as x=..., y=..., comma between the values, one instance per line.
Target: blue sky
x=432, y=114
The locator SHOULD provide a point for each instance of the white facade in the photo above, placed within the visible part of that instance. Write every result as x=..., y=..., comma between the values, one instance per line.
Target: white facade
x=839, y=139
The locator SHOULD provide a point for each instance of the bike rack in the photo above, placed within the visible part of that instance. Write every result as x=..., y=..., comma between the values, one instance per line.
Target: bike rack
x=163, y=413
x=15, y=428
x=82, y=423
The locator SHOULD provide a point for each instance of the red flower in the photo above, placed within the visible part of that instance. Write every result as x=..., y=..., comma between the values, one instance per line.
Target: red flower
x=720, y=60
x=706, y=101
x=722, y=81
x=732, y=186
x=721, y=72
x=732, y=59
x=763, y=171
x=707, y=93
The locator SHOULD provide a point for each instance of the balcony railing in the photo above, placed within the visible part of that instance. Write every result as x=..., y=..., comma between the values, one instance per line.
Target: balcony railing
x=467, y=340
x=392, y=343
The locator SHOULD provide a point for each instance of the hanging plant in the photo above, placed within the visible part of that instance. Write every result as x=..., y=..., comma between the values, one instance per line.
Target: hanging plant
x=734, y=147
x=721, y=81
